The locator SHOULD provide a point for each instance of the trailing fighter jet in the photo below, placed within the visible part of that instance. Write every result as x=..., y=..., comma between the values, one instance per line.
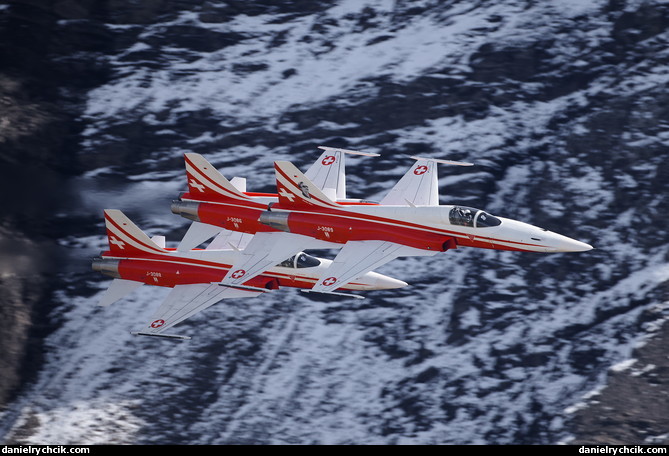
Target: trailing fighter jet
x=408, y=222
x=195, y=277
x=327, y=173
x=213, y=193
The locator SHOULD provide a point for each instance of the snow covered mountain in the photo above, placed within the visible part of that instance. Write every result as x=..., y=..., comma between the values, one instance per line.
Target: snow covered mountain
x=562, y=105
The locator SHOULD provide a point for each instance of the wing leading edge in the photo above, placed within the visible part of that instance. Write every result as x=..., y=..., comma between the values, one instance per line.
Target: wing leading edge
x=185, y=301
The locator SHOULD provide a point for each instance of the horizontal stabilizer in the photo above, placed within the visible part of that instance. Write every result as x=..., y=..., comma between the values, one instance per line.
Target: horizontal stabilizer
x=118, y=289
x=197, y=233
x=227, y=240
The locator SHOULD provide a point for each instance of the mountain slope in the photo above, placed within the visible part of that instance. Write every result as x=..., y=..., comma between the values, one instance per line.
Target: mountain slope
x=563, y=108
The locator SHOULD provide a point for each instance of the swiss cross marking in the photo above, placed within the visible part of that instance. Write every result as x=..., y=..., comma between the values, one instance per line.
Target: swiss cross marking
x=329, y=281
x=330, y=159
x=195, y=184
x=116, y=242
x=239, y=273
x=286, y=194
x=420, y=170
x=157, y=323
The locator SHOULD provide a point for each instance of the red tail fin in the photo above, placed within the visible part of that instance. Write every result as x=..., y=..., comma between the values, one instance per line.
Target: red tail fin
x=125, y=238
x=296, y=190
x=206, y=183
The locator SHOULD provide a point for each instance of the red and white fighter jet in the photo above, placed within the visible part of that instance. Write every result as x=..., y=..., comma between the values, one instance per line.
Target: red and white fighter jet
x=195, y=276
x=220, y=208
x=328, y=173
x=408, y=222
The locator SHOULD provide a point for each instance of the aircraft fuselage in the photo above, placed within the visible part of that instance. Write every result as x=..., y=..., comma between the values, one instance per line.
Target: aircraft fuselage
x=202, y=266
x=435, y=228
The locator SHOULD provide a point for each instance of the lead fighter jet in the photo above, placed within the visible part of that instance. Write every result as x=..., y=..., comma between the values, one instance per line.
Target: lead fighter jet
x=374, y=235
x=408, y=222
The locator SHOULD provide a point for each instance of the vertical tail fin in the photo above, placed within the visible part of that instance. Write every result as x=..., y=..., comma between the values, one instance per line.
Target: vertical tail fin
x=296, y=190
x=329, y=172
x=125, y=238
x=419, y=186
x=205, y=182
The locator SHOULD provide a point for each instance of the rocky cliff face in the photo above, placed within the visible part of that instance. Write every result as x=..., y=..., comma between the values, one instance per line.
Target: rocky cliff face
x=562, y=106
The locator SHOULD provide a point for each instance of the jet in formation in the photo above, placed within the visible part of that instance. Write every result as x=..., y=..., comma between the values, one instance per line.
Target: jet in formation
x=259, y=239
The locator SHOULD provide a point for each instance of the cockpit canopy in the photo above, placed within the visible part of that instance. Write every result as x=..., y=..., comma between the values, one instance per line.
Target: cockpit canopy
x=301, y=260
x=469, y=216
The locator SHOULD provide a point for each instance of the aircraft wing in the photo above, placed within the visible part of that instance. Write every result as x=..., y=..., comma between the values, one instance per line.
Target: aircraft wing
x=185, y=301
x=265, y=251
x=419, y=186
x=359, y=257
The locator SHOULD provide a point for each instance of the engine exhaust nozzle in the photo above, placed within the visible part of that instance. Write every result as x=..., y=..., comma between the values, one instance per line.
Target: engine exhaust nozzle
x=186, y=209
x=106, y=266
x=277, y=220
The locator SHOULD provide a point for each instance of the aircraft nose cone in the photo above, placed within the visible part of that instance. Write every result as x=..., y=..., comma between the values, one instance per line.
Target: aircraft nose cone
x=565, y=244
x=578, y=246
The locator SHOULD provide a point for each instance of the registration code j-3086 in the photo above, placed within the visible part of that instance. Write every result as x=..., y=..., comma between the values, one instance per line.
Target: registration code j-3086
x=326, y=230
